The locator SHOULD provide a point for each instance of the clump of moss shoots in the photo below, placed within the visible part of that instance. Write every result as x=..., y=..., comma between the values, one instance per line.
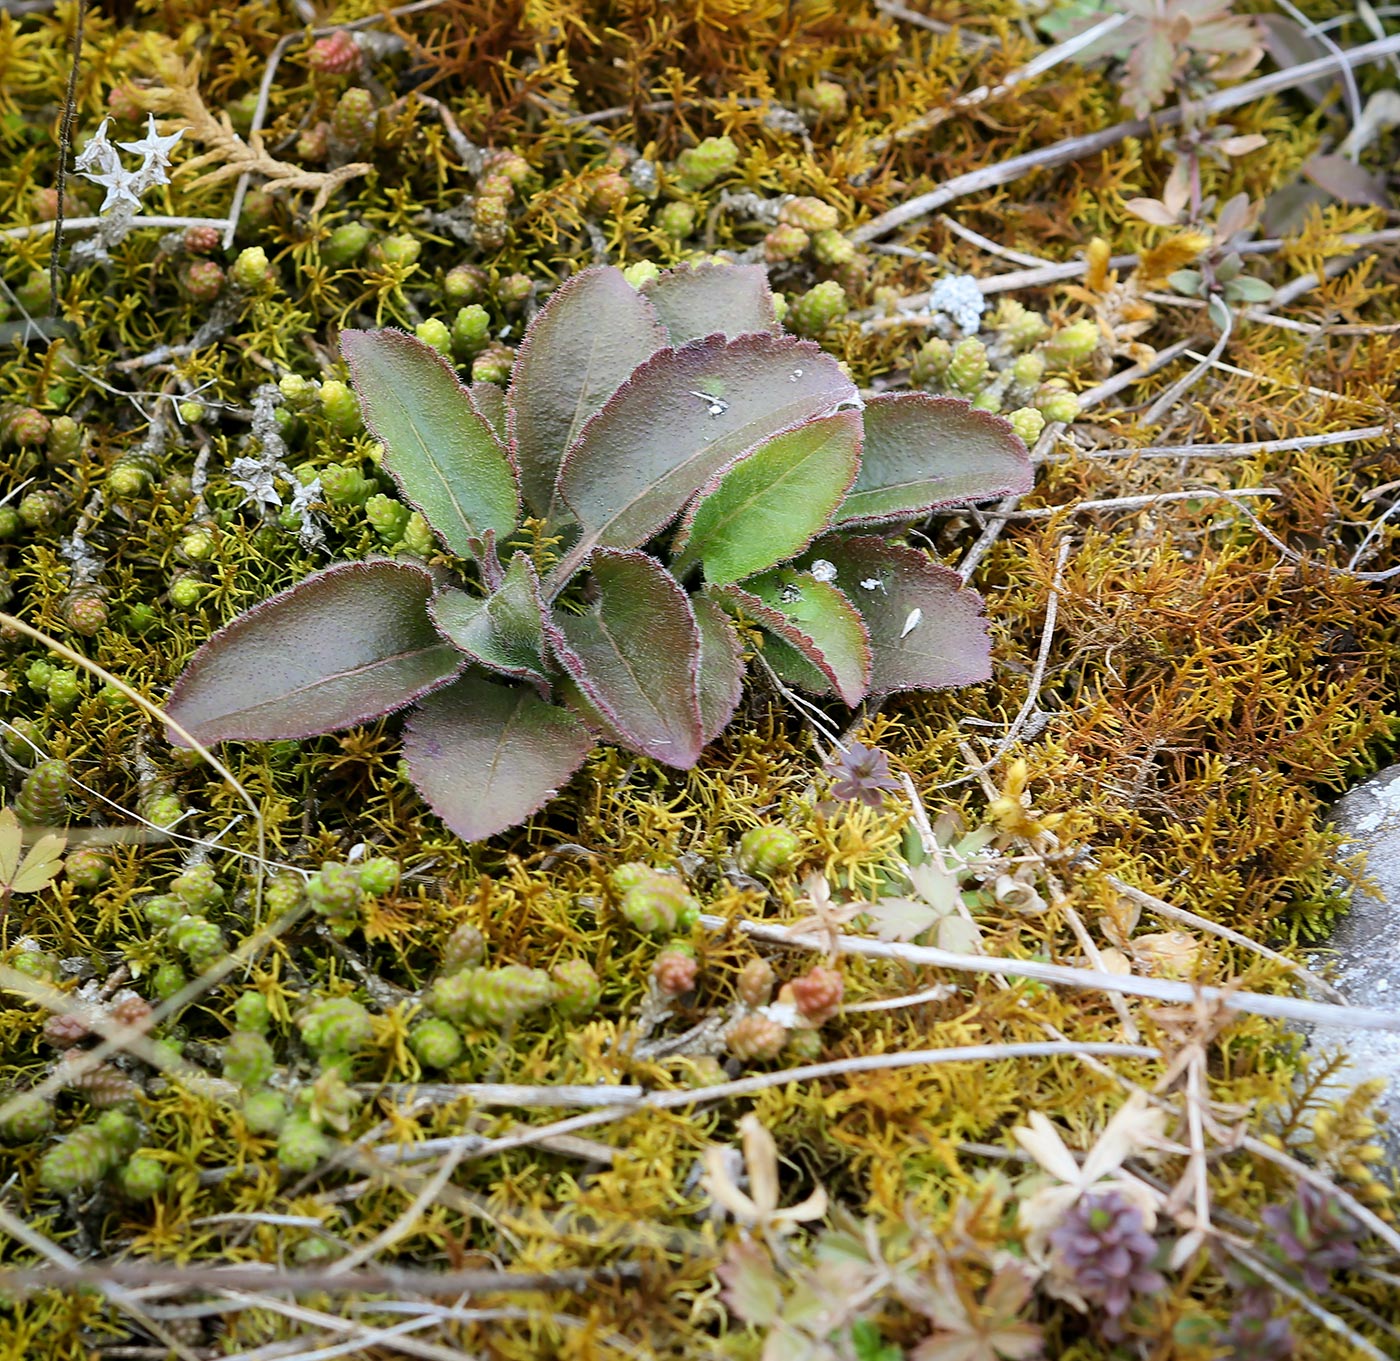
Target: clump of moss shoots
x=816, y=615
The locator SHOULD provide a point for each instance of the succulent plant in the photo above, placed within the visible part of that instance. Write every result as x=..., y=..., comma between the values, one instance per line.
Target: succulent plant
x=1105, y=1251
x=680, y=406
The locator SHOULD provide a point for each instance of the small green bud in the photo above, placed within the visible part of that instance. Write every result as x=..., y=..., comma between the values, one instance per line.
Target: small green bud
x=676, y=220
x=10, y=523
x=1057, y=404
x=471, y=330
x=336, y=1026
x=65, y=690
x=41, y=798
x=248, y=1060
x=65, y=440
x=399, y=250
x=493, y=364
x=345, y=244
x=766, y=851
x=640, y=272
x=435, y=1043
x=832, y=249
x=167, y=980
x=463, y=284
x=335, y=890
x=817, y=309
x=39, y=509
x=87, y=869
x=784, y=242
x=1028, y=370
x=186, y=592
x=199, y=940
x=341, y=407
x=162, y=808
x=1027, y=423
x=143, y=1177
x=198, y=888
x=28, y=1123
x=89, y=1153
x=379, y=876
x=264, y=1111
x=142, y=617
x=344, y=485
x=653, y=902
x=1071, y=346
x=164, y=910
x=301, y=1144
x=465, y=948
x=251, y=1013
x=251, y=269
x=514, y=290
x=811, y=214
x=1018, y=326
x=36, y=964
x=492, y=997
x=197, y=545
x=968, y=367
x=283, y=894
x=434, y=333
x=824, y=99
x=387, y=516
x=700, y=166
x=38, y=672
x=25, y=426
x=417, y=537
x=353, y=120
x=989, y=399
x=576, y=988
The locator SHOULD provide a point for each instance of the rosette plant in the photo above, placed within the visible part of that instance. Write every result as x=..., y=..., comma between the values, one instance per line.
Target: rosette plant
x=666, y=462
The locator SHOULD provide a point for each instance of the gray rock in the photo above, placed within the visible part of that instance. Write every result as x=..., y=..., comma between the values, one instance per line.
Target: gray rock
x=1364, y=951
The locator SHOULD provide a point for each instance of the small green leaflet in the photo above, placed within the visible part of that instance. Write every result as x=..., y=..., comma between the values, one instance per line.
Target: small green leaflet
x=27, y=873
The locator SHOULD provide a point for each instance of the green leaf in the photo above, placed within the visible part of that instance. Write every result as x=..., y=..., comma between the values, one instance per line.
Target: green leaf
x=1248, y=289
x=1187, y=281
x=504, y=632
x=922, y=452
x=816, y=619
x=490, y=400
x=439, y=448
x=486, y=756
x=926, y=629
x=38, y=867
x=769, y=504
x=709, y=299
x=721, y=667
x=582, y=345
x=636, y=656
x=677, y=421
x=350, y=643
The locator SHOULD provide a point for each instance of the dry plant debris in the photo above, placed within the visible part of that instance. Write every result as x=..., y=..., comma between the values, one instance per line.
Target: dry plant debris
x=959, y=1027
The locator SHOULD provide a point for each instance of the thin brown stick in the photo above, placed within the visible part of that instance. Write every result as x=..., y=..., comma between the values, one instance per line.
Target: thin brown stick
x=1090, y=144
x=1159, y=989
x=1182, y=917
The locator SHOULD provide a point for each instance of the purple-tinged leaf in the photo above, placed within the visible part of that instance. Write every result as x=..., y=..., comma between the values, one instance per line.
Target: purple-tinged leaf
x=706, y=300
x=677, y=421
x=582, y=345
x=441, y=450
x=770, y=503
x=490, y=399
x=486, y=756
x=926, y=628
x=721, y=667
x=350, y=643
x=503, y=631
x=921, y=452
x=1346, y=180
x=636, y=655
x=817, y=620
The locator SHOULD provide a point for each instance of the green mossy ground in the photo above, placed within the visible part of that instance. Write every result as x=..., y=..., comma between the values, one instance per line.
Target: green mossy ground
x=1203, y=700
